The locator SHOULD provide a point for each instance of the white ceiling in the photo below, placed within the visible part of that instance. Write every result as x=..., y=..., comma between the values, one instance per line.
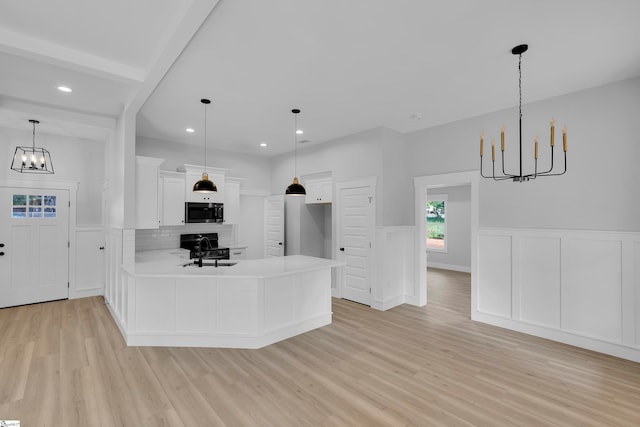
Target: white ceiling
x=348, y=65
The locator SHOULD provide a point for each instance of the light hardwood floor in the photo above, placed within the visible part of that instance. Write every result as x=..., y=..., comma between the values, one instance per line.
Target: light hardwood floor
x=65, y=364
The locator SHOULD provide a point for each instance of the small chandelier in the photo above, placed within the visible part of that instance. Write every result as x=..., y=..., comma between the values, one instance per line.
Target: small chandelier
x=204, y=185
x=295, y=189
x=32, y=159
x=520, y=177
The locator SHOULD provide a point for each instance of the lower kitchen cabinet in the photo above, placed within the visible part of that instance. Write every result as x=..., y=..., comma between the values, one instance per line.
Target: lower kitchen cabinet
x=238, y=253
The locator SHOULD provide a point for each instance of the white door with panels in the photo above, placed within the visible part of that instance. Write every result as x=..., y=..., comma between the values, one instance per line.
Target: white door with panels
x=356, y=221
x=274, y=226
x=34, y=245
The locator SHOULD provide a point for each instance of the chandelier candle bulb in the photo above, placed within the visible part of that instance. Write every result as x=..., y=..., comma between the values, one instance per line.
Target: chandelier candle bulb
x=535, y=149
x=493, y=150
x=481, y=143
x=553, y=128
x=502, y=138
x=564, y=138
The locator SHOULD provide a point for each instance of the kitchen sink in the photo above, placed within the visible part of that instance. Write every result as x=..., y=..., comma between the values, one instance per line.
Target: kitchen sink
x=210, y=264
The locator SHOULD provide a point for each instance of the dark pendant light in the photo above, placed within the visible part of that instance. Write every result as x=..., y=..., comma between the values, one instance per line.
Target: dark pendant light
x=204, y=185
x=32, y=159
x=295, y=189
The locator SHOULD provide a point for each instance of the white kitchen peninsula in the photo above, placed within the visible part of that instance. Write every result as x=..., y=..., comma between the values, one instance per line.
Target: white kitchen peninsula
x=249, y=305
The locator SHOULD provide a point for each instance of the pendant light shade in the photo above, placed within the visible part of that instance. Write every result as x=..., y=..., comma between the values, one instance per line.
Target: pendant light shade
x=205, y=185
x=295, y=189
x=32, y=159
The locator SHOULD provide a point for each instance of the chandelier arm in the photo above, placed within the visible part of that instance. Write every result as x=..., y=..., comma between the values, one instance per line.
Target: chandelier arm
x=560, y=173
x=548, y=172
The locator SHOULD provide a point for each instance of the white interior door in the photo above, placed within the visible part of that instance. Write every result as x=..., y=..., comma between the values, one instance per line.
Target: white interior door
x=34, y=234
x=356, y=219
x=274, y=226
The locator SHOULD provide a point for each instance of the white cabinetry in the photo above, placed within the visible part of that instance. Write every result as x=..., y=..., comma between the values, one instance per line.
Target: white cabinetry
x=319, y=191
x=172, y=194
x=238, y=253
x=147, y=169
x=193, y=173
x=232, y=200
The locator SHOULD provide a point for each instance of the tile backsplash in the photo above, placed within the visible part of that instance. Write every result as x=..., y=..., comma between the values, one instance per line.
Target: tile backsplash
x=169, y=237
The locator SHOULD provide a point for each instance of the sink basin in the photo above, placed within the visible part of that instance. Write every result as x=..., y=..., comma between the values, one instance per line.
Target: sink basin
x=210, y=264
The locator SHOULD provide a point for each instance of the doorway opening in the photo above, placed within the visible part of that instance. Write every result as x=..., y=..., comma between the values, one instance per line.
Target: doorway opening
x=425, y=187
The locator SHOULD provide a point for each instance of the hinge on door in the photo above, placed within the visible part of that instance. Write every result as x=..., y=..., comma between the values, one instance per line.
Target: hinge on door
x=68, y=244
x=67, y=285
x=69, y=203
x=369, y=245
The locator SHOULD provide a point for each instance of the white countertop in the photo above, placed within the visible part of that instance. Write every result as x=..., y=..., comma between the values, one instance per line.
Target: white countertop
x=170, y=263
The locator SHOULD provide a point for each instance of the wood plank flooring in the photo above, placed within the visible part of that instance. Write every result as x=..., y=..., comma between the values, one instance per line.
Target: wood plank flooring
x=65, y=364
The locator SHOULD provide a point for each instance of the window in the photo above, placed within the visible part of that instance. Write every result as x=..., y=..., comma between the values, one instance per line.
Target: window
x=33, y=206
x=435, y=216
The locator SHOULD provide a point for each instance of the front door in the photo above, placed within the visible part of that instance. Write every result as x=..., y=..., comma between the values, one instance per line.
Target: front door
x=274, y=226
x=356, y=219
x=34, y=251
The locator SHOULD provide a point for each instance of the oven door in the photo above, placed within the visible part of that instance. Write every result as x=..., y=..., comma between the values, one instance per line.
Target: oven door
x=203, y=212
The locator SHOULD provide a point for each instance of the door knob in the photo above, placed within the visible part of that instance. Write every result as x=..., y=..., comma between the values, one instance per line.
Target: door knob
x=280, y=243
x=101, y=248
x=342, y=249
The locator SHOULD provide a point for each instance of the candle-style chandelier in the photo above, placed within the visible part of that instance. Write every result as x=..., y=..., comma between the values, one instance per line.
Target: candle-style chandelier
x=520, y=177
x=32, y=159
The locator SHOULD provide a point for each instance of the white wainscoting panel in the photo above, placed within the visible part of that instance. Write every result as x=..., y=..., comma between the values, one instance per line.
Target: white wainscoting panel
x=237, y=306
x=592, y=288
x=194, y=314
x=394, y=257
x=494, y=284
x=577, y=287
x=161, y=315
x=278, y=302
x=539, y=291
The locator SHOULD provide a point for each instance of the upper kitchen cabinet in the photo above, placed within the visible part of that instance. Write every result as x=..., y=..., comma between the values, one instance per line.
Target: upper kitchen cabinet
x=193, y=174
x=319, y=190
x=232, y=200
x=147, y=175
x=172, y=198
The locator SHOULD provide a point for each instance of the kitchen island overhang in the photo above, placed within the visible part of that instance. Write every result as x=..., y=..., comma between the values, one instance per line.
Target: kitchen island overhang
x=252, y=304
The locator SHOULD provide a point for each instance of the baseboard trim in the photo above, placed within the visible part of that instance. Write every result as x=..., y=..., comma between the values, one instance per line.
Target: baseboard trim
x=453, y=267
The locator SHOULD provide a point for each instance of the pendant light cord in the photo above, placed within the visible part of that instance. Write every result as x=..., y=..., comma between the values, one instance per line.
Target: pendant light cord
x=295, y=144
x=34, y=138
x=205, y=137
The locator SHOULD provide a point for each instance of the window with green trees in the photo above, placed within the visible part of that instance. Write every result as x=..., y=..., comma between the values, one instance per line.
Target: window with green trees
x=435, y=216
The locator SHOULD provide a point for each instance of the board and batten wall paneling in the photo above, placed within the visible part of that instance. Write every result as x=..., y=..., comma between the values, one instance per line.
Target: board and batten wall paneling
x=494, y=284
x=592, y=288
x=577, y=287
x=540, y=279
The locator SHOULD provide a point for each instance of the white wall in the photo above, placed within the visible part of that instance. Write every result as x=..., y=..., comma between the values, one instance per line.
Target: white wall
x=603, y=133
x=74, y=159
x=458, y=216
x=255, y=170
x=376, y=152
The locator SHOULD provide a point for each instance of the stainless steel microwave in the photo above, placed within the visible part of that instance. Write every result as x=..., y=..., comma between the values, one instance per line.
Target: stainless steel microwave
x=203, y=212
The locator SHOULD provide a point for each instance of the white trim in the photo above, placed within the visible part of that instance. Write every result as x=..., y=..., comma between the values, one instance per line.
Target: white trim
x=255, y=193
x=452, y=267
x=421, y=186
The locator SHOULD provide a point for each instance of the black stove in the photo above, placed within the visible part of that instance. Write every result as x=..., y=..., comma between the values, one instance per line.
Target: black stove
x=203, y=246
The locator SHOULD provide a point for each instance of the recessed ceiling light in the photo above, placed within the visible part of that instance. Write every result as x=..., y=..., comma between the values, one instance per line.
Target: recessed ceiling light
x=263, y=144
x=64, y=89
x=190, y=130
x=299, y=132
